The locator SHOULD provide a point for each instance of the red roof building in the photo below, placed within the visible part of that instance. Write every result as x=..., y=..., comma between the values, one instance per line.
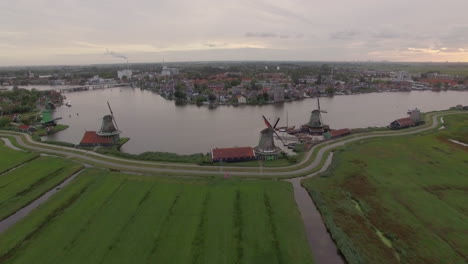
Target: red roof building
x=340, y=132
x=23, y=127
x=90, y=138
x=405, y=122
x=232, y=154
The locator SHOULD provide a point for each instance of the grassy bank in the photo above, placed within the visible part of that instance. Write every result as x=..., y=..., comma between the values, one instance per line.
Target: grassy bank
x=399, y=199
x=161, y=220
x=59, y=127
x=26, y=183
x=198, y=158
x=11, y=158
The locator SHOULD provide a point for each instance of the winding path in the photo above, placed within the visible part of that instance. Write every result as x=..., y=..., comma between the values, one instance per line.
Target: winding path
x=10, y=145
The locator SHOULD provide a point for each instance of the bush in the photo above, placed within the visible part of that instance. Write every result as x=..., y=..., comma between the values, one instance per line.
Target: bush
x=198, y=158
x=5, y=122
x=60, y=143
x=344, y=243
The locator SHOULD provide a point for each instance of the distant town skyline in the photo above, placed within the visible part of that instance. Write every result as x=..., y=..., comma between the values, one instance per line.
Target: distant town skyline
x=47, y=32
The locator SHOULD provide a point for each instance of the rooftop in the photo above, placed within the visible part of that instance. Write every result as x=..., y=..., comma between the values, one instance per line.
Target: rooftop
x=232, y=153
x=405, y=122
x=339, y=132
x=91, y=138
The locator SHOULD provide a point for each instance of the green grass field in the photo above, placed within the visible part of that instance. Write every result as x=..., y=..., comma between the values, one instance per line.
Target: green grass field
x=399, y=199
x=23, y=185
x=108, y=217
x=11, y=158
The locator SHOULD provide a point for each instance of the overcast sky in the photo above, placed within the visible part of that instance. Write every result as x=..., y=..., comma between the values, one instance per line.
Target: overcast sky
x=80, y=31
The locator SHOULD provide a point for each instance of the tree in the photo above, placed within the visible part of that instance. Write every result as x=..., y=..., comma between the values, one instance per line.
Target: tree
x=253, y=85
x=211, y=97
x=330, y=90
x=4, y=121
x=180, y=95
x=319, y=80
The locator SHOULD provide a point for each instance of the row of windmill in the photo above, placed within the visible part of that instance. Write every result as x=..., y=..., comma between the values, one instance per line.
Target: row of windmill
x=266, y=148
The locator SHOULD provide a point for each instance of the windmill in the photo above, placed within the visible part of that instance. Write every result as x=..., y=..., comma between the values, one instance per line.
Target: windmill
x=315, y=120
x=266, y=148
x=109, y=126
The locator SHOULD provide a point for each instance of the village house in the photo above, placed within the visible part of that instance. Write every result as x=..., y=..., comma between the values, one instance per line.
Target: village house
x=241, y=99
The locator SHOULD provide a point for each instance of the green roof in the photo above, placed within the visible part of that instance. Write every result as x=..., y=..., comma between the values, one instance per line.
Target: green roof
x=47, y=116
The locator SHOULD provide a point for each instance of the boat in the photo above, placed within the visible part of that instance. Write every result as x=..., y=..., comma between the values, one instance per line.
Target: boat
x=68, y=103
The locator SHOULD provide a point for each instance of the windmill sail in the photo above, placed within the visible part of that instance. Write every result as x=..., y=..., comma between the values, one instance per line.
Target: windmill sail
x=112, y=114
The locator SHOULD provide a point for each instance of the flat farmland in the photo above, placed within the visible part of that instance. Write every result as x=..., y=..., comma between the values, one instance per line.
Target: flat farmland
x=109, y=217
x=26, y=183
x=399, y=199
x=10, y=158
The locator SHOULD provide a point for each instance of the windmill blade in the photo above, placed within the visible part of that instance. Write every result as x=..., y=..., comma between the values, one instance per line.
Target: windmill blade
x=267, y=123
x=112, y=114
x=323, y=111
x=284, y=144
x=277, y=120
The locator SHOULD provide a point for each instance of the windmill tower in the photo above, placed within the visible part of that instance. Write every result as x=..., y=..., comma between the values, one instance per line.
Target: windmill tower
x=315, y=123
x=109, y=127
x=266, y=148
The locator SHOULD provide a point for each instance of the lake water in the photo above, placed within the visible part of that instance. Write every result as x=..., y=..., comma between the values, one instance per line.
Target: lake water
x=156, y=124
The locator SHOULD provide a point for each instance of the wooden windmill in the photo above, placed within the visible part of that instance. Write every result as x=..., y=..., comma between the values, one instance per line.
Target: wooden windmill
x=109, y=126
x=266, y=148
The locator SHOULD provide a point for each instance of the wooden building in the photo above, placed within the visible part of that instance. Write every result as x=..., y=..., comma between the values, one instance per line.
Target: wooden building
x=402, y=123
x=232, y=154
x=92, y=139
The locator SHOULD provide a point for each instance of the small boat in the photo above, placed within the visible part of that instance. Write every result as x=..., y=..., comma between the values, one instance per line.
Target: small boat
x=68, y=104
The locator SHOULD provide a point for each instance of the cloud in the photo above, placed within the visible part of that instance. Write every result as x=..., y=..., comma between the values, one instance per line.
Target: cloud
x=261, y=35
x=344, y=34
x=214, y=45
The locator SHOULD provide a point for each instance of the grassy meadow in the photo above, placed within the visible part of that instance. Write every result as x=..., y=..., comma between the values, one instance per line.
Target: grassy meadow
x=11, y=158
x=21, y=186
x=109, y=217
x=399, y=199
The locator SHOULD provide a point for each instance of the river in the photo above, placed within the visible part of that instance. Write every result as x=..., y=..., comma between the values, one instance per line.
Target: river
x=156, y=124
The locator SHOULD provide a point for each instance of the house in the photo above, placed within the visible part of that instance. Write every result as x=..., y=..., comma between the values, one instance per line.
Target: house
x=91, y=139
x=278, y=94
x=127, y=73
x=232, y=154
x=241, y=99
x=26, y=129
x=337, y=133
x=23, y=128
x=402, y=123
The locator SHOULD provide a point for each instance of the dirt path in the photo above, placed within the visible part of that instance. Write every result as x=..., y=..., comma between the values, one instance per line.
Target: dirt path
x=458, y=142
x=10, y=145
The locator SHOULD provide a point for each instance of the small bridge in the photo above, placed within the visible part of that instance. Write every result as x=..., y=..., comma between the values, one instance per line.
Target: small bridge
x=92, y=87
